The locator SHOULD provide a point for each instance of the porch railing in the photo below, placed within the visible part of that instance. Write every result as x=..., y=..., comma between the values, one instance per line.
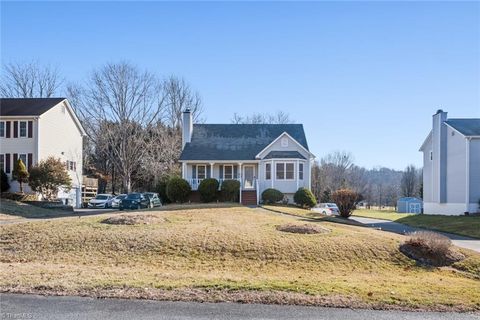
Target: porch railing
x=195, y=183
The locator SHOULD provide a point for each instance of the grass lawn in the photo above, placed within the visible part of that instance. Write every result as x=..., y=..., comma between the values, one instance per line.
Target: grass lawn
x=462, y=225
x=229, y=254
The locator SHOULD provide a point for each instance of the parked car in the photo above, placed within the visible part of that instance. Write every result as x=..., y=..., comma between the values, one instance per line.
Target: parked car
x=328, y=208
x=116, y=201
x=103, y=201
x=135, y=200
x=154, y=199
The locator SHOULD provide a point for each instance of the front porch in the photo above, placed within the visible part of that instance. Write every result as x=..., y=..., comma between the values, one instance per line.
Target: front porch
x=245, y=173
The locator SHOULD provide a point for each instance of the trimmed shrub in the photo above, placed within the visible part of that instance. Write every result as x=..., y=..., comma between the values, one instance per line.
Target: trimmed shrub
x=305, y=198
x=272, y=196
x=230, y=190
x=345, y=200
x=49, y=175
x=161, y=189
x=20, y=173
x=4, y=185
x=178, y=189
x=208, y=189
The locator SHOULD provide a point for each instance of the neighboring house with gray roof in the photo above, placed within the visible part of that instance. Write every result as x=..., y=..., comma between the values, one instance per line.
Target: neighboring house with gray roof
x=33, y=129
x=260, y=156
x=451, y=166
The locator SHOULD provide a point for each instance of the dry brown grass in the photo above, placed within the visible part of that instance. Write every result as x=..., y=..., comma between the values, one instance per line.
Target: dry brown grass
x=228, y=250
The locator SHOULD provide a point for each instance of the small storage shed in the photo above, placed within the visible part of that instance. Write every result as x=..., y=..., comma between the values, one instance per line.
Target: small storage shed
x=409, y=205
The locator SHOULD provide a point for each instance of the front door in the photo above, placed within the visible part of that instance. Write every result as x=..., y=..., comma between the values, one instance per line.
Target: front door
x=248, y=177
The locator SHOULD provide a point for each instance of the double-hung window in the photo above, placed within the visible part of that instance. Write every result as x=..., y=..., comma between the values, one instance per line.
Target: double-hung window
x=228, y=172
x=268, y=171
x=2, y=162
x=22, y=129
x=285, y=171
x=2, y=129
x=300, y=171
x=201, y=172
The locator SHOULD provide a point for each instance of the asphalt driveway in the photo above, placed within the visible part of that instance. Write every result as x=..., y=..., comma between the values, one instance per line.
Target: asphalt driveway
x=15, y=306
x=391, y=226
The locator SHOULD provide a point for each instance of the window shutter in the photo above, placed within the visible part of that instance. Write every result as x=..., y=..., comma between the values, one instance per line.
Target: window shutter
x=7, y=163
x=29, y=160
x=194, y=172
x=15, y=129
x=209, y=171
x=30, y=129
x=8, y=129
x=235, y=172
x=74, y=166
x=15, y=159
x=221, y=172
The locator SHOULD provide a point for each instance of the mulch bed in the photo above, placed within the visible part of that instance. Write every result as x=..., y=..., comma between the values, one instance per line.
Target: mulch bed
x=302, y=228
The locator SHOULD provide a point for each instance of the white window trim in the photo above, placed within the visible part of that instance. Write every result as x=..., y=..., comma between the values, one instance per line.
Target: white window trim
x=4, y=131
x=26, y=129
x=302, y=171
x=225, y=166
x=201, y=165
x=268, y=171
x=431, y=155
x=285, y=170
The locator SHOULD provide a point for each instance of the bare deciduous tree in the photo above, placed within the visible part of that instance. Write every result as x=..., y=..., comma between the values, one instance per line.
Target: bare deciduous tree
x=116, y=106
x=409, y=183
x=279, y=117
x=29, y=80
x=178, y=96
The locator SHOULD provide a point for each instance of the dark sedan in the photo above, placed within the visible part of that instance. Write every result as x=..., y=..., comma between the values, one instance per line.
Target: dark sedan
x=135, y=201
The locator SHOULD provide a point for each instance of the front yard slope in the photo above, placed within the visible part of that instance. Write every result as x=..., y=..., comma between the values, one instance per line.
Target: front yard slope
x=228, y=254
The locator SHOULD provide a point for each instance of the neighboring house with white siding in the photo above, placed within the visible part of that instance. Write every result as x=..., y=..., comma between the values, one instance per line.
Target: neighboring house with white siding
x=451, y=166
x=260, y=156
x=32, y=129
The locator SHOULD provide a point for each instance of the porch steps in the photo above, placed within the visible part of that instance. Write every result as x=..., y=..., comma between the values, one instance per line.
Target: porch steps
x=249, y=198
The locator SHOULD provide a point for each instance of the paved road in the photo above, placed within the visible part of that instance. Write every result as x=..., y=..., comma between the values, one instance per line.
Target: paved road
x=391, y=226
x=66, y=308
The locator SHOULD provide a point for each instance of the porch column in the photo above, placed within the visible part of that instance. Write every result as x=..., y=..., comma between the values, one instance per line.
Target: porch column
x=296, y=173
x=272, y=173
x=211, y=169
x=240, y=177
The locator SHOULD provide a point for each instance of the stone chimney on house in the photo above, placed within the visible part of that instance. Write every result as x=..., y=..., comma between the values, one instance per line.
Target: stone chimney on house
x=187, y=127
x=439, y=156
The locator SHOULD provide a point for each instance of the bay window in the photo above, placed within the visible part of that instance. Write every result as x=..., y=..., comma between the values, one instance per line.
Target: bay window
x=285, y=171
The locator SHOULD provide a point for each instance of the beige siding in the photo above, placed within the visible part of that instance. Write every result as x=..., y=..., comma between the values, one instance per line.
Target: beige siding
x=60, y=137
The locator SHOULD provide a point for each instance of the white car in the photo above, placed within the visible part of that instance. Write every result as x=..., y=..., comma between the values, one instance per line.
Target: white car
x=116, y=201
x=328, y=208
x=102, y=201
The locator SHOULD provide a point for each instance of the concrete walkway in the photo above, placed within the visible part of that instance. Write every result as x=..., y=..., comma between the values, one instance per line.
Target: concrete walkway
x=391, y=226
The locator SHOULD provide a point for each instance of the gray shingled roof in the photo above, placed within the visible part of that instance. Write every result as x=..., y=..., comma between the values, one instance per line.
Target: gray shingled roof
x=236, y=141
x=27, y=106
x=284, y=155
x=468, y=127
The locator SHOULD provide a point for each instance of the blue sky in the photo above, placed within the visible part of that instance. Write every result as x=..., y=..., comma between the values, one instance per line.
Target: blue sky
x=361, y=76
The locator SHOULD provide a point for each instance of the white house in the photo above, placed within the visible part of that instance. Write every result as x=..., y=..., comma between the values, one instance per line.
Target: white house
x=451, y=166
x=33, y=129
x=260, y=156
